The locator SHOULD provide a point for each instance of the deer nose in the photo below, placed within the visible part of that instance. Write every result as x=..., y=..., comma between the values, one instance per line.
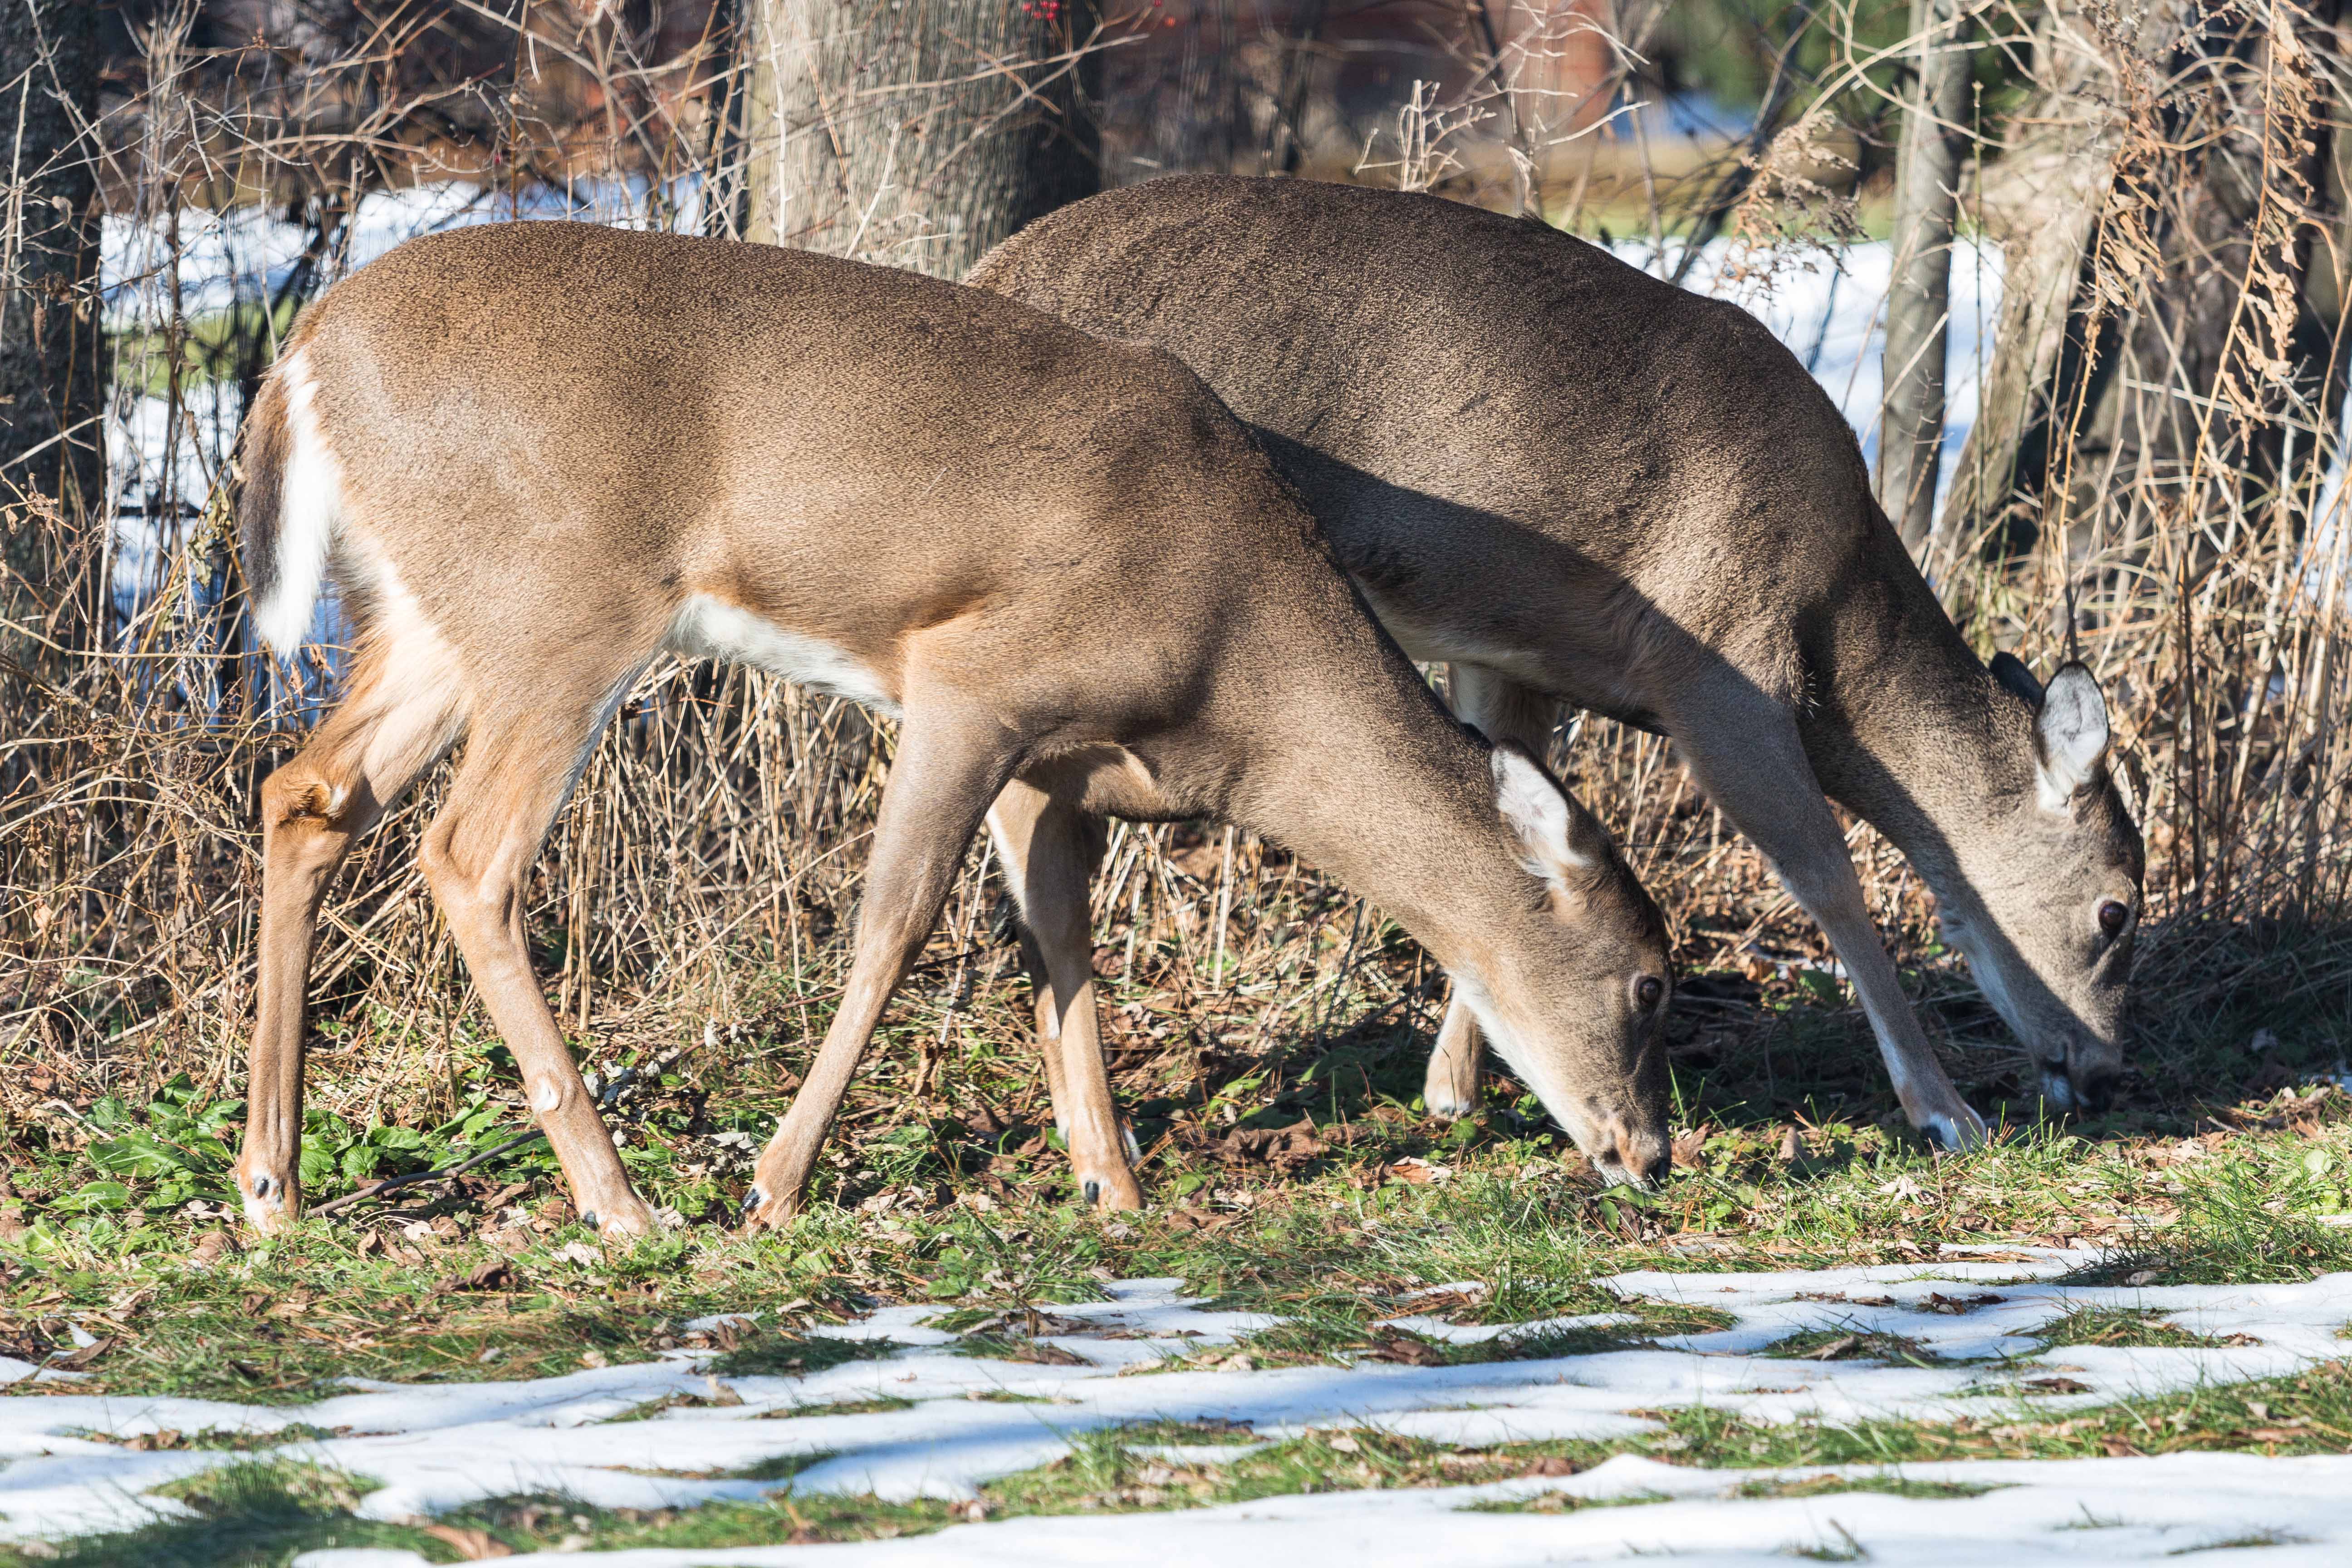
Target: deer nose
x=2095, y=1087
x=1639, y=1156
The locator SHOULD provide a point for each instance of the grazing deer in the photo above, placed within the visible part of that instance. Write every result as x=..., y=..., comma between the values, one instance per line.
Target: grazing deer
x=535, y=456
x=1572, y=480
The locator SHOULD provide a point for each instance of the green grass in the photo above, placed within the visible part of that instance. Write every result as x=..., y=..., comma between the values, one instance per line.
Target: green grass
x=2215, y=1167
x=258, y=1514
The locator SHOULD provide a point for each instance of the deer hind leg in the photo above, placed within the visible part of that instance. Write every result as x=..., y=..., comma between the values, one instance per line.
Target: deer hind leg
x=356, y=767
x=517, y=772
x=1500, y=708
x=1745, y=753
x=1050, y=850
x=950, y=766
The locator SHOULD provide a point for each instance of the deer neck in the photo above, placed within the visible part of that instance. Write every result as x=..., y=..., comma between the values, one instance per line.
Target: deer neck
x=1908, y=730
x=1390, y=798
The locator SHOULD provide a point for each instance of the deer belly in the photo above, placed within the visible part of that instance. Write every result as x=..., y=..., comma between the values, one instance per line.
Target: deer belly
x=709, y=628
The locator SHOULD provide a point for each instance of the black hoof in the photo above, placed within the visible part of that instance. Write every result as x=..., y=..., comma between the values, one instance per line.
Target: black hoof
x=752, y=1200
x=261, y=1186
x=1093, y=1193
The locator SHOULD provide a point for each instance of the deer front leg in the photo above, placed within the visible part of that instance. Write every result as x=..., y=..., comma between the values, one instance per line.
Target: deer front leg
x=1501, y=710
x=1746, y=755
x=1049, y=851
x=950, y=766
x=1450, y=1088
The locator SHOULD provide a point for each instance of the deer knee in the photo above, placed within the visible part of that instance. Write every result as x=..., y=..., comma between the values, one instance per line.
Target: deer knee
x=302, y=794
x=306, y=823
x=455, y=888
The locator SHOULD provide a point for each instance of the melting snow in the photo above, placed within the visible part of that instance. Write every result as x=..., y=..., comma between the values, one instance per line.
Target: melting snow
x=432, y=1447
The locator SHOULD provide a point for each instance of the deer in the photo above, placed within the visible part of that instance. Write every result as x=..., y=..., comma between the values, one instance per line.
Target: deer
x=533, y=458
x=1571, y=482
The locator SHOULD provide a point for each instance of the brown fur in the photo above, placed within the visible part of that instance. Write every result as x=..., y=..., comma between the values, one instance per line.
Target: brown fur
x=263, y=465
x=1062, y=561
x=1538, y=459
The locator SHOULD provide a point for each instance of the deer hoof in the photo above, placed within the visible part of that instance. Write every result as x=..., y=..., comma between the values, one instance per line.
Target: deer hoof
x=1955, y=1132
x=271, y=1206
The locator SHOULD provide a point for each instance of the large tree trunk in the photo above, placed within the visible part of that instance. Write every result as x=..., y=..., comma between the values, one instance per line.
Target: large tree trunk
x=1918, y=304
x=50, y=462
x=917, y=132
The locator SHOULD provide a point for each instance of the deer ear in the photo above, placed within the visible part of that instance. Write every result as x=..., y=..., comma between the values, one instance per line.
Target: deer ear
x=1559, y=839
x=2070, y=734
x=2011, y=671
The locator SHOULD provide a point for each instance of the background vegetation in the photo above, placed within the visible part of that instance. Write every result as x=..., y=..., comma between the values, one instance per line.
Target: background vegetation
x=2150, y=480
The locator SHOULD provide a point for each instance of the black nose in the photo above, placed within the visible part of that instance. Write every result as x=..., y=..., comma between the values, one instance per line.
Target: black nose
x=2094, y=1088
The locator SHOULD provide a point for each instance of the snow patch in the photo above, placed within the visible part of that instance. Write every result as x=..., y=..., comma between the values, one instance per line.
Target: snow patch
x=433, y=1448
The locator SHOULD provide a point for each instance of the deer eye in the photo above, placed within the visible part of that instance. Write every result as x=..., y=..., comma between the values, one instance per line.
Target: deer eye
x=1648, y=992
x=2112, y=917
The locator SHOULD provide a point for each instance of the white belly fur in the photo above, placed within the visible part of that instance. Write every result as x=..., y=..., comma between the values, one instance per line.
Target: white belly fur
x=712, y=628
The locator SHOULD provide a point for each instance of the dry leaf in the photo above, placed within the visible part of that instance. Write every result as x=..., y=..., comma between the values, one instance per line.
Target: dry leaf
x=81, y=1357
x=498, y=1274
x=473, y=1545
x=1405, y=1350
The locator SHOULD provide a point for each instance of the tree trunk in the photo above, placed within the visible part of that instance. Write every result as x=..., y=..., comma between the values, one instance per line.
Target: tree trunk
x=1918, y=303
x=2041, y=203
x=50, y=470
x=915, y=132
x=2161, y=334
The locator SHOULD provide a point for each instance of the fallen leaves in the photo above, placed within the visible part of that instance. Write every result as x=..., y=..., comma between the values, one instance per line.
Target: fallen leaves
x=470, y=1544
x=74, y=1361
x=1284, y=1148
x=498, y=1274
x=1404, y=1350
x=2286, y=1432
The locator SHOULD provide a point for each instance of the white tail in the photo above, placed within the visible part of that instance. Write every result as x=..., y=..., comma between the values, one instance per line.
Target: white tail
x=310, y=500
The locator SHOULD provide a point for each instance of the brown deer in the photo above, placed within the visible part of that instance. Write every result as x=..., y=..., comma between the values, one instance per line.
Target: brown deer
x=1574, y=481
x=533, y=457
